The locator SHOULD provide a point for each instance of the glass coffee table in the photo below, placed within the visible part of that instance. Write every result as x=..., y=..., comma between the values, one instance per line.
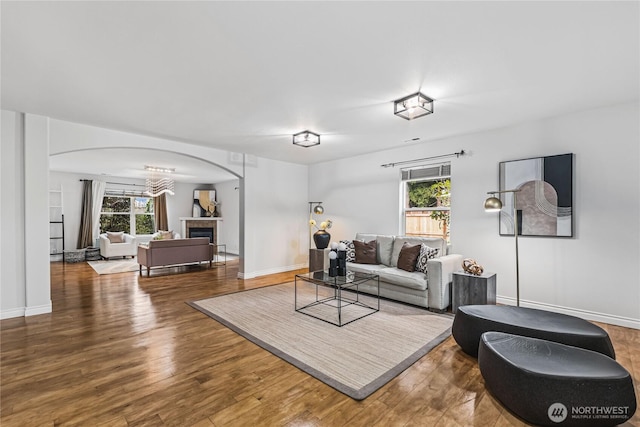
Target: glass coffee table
x=335, y=300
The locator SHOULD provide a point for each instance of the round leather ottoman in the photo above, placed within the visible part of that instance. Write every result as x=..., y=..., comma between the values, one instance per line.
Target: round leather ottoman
x=547, y=383
x=471, y=321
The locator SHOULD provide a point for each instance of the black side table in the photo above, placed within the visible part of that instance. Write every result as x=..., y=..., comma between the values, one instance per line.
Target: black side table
x=316, y=259
x=468, y=289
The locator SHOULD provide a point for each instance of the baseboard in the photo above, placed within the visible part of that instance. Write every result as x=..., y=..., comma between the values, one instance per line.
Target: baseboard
x=12, y=312
x=611, y=319
x=254, y=274
x=38, y=309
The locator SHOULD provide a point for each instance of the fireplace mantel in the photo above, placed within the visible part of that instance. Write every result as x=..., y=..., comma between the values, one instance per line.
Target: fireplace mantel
x=200, y=222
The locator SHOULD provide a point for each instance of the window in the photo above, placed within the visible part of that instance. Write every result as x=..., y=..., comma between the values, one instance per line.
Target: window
x=131, y=214
x=427, y=201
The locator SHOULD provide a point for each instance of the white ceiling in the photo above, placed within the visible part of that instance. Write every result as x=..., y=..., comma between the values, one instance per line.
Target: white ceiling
x=245, y=76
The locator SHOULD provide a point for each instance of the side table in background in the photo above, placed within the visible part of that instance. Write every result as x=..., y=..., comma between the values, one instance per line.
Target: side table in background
x=468, y=289
x=316, y=259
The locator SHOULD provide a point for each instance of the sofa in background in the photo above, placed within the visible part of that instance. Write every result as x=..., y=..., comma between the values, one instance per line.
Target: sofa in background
x=116, y=244
x=430, y=290
x=171, y=252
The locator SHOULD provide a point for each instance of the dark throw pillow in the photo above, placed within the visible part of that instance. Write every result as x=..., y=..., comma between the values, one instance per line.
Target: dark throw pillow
x=408, y=257
x=366, y=253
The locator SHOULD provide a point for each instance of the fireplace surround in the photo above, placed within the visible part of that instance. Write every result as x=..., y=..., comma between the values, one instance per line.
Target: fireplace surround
x=201, y=227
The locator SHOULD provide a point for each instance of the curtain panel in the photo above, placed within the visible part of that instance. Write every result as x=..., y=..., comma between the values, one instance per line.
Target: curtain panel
x=98, y=190
x=85, y=236
x=160, y=212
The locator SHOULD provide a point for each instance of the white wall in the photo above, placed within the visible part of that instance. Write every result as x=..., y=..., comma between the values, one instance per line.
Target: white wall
x=228, y=194
x=25, y=287
x=12, y=254
x=180, y=205
x=274, y=211
x=594, y=275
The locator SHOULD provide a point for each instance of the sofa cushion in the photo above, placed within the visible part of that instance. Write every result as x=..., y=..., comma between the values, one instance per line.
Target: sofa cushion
x=412, y=280
x=385, y=245
x=365, y=268
x=433, y=242
x=365, y=252
x=408, y=257
x=426, y=253
x=115, y=236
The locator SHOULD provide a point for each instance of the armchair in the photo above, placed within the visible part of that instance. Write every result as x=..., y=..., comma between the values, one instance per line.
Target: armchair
x=117, y=244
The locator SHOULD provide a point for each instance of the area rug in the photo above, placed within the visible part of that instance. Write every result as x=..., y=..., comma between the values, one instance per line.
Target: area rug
x=114, y=265
x=356, y=359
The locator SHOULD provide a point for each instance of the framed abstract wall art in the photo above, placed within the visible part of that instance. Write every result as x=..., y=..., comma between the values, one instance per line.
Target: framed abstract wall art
x=544, y=204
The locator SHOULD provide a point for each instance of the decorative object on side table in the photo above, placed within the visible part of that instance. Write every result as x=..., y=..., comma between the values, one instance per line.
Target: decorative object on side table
x=321, y=237
x=472, y=267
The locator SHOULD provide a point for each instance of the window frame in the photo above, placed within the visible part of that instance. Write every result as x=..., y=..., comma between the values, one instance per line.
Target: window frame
x=404, y=196
x=131, y=213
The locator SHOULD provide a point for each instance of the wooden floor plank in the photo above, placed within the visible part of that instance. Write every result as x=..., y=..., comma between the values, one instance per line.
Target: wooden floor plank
x=126, y=350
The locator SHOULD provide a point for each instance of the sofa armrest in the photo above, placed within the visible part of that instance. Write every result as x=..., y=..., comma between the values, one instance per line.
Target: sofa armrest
x=104, y=242
x=439, y=276
x=144, y=255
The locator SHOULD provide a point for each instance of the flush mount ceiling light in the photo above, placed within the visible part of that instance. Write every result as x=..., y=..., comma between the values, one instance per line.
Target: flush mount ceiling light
x=156, y=183
x=306, y=139
x=413, y=106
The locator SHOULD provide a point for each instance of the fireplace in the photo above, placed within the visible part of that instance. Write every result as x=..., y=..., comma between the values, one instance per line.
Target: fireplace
x=202, y=232
x=201, y=227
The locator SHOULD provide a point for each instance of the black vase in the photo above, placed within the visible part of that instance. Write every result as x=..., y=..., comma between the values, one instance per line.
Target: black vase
x=321, y=238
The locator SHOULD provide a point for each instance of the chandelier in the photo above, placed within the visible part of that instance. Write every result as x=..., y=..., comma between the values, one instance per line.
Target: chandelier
x=157, y=183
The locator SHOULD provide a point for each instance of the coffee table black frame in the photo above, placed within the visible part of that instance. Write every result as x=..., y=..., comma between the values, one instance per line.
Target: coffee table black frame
x=348, y=283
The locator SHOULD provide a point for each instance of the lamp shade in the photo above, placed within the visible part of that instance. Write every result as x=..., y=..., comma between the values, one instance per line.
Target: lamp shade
x=318, y=210
x=492, y=204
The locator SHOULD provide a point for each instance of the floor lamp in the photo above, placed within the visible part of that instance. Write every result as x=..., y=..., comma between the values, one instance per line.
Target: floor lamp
x=318, y=210
x=494, y=204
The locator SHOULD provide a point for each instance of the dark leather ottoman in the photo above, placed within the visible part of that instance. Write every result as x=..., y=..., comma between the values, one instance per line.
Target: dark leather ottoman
x=547, y=383
x=471, y=321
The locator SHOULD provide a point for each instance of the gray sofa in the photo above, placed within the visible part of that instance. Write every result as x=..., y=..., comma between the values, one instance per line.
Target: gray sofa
x=431, y=290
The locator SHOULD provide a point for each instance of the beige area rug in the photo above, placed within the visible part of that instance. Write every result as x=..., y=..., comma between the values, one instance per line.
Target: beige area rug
x=129, y=264
x=356, y=359
x=114, y=265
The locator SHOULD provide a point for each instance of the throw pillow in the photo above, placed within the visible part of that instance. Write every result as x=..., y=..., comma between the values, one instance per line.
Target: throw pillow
x=115, y=236
x=164, y=235
x=408, y=257
x=426, y=253
x=366, y=253
x=351, y=250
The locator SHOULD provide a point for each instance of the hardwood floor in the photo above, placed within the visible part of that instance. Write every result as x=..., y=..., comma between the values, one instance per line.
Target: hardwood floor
x=125, y=350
